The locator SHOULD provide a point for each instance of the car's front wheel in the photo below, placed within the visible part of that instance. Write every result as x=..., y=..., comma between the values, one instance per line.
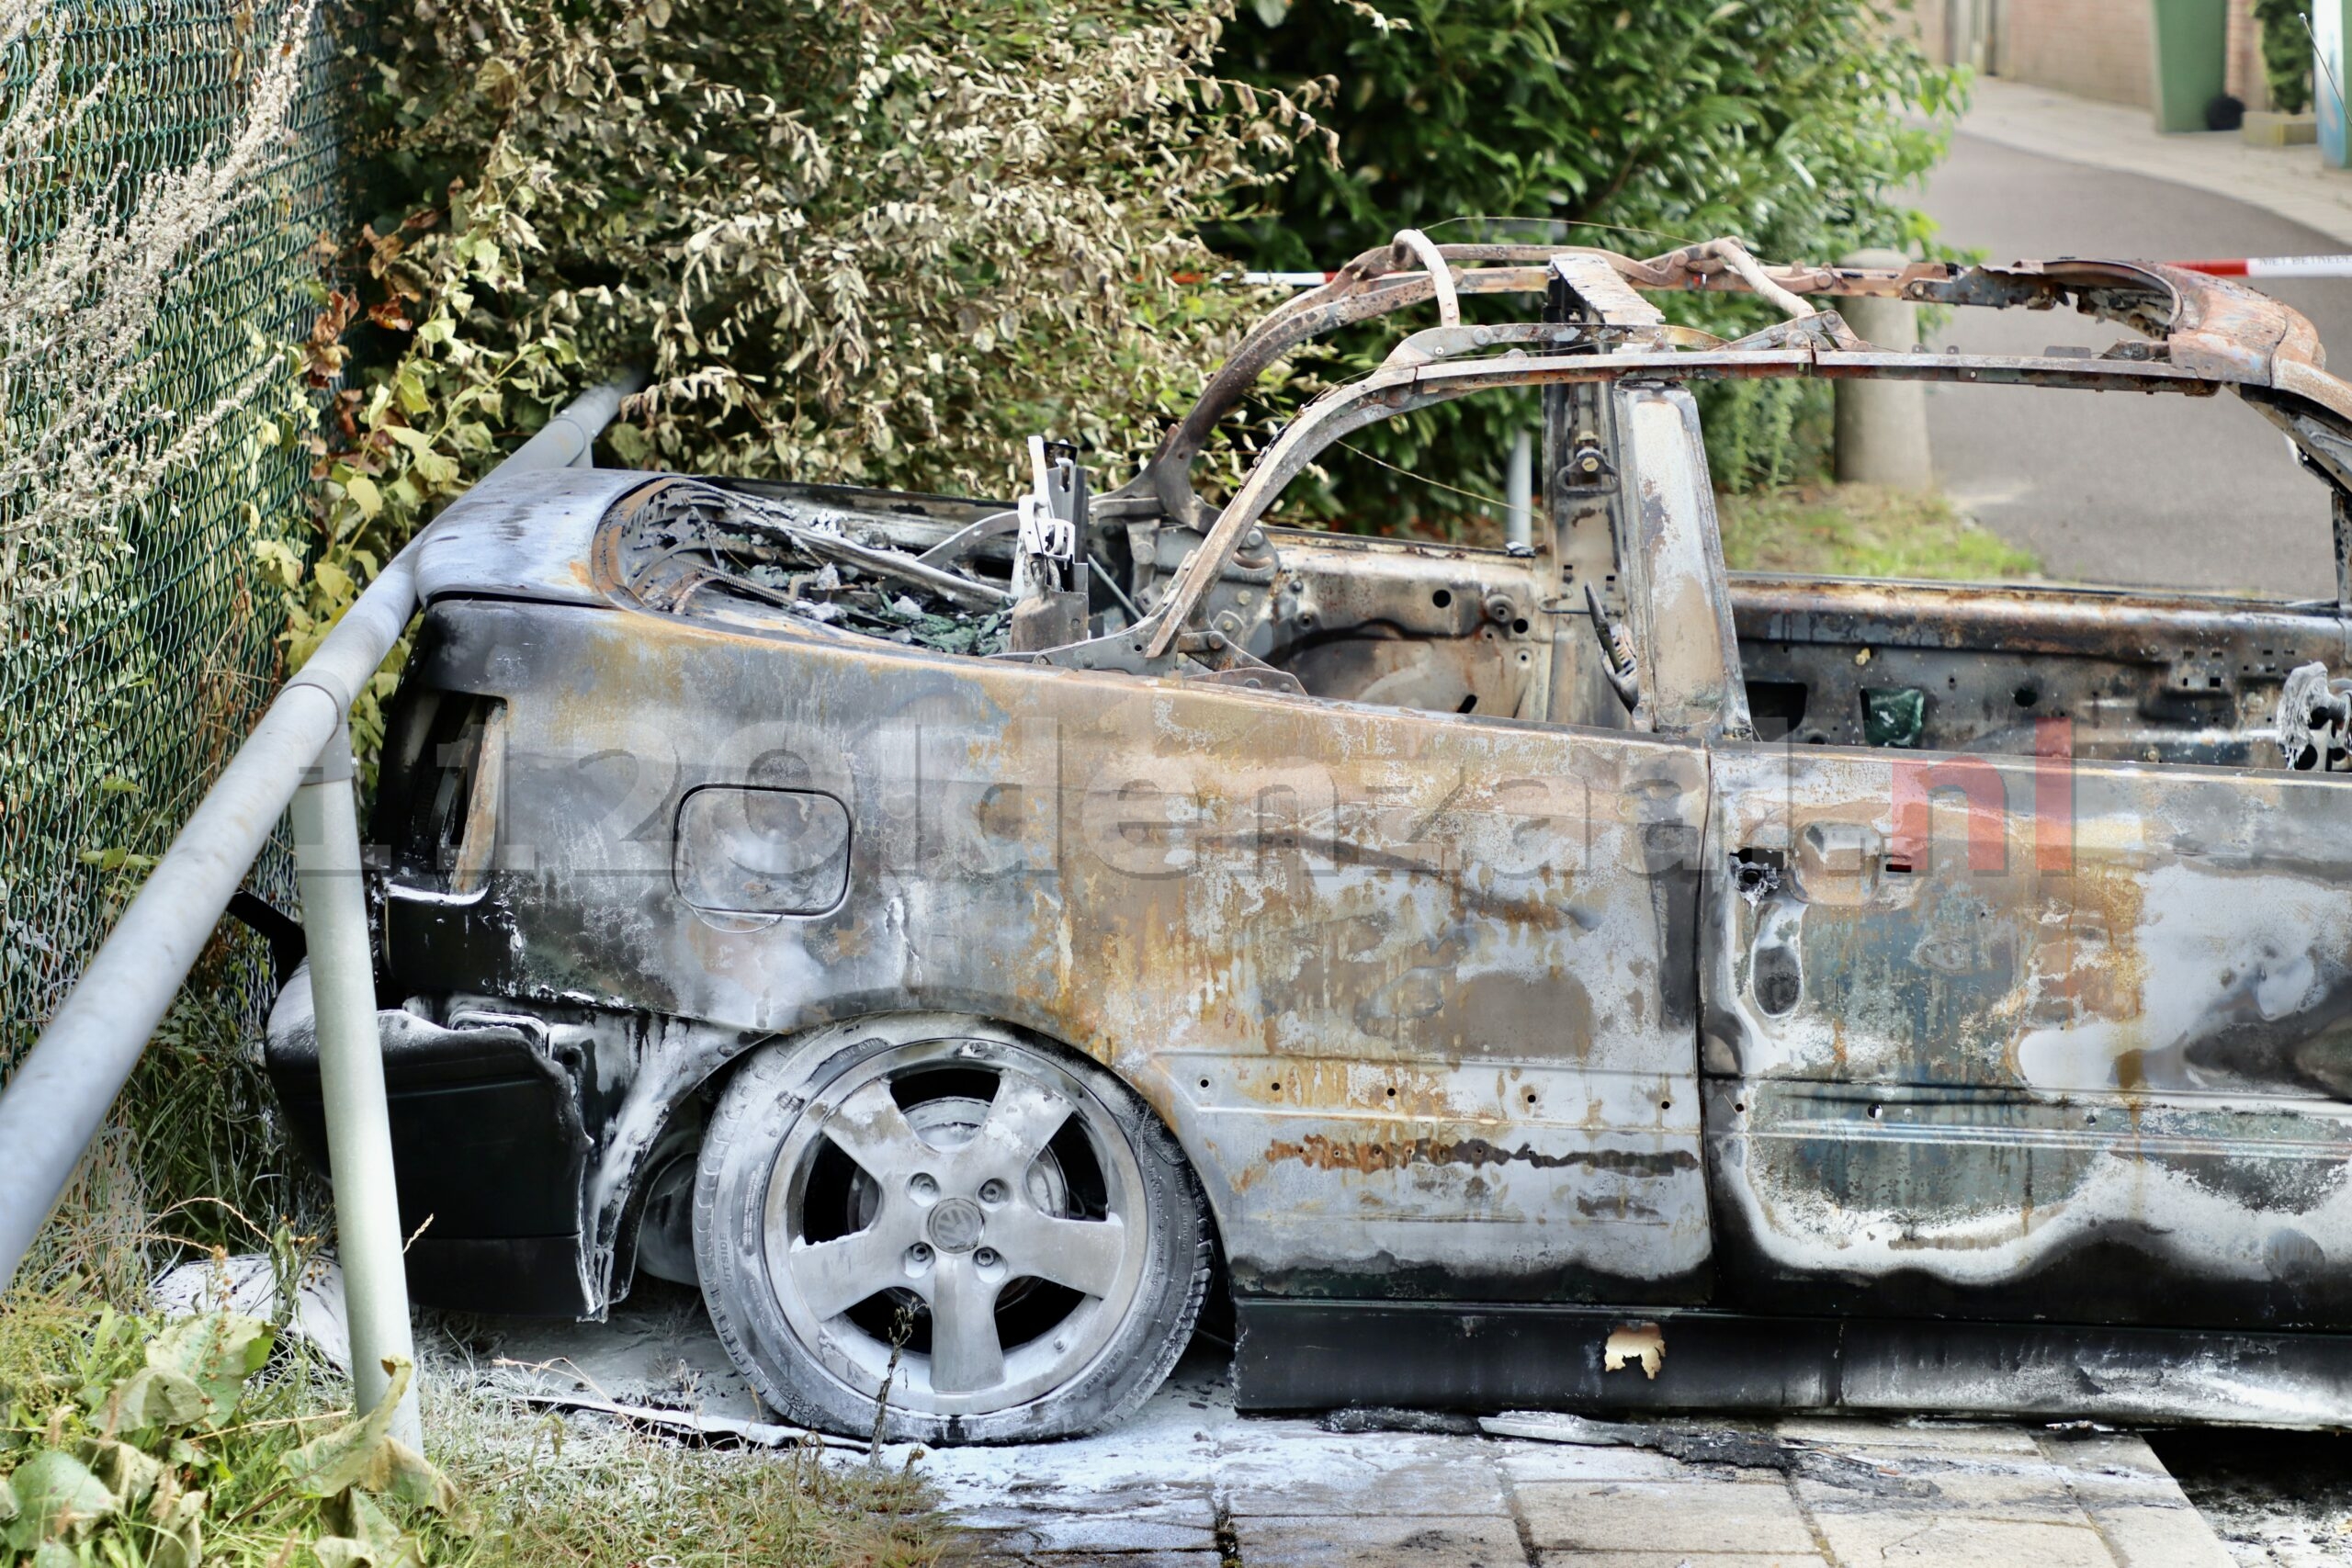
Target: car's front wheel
x=998, y=1227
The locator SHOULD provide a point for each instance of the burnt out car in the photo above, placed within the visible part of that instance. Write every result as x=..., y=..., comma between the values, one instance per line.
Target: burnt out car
x=955, y=934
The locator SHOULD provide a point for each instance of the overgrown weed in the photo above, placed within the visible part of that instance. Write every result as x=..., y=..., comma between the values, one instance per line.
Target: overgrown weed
x=284, y=1476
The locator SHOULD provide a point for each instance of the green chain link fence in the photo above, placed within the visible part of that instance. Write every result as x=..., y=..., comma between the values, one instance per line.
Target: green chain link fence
x=118, y=705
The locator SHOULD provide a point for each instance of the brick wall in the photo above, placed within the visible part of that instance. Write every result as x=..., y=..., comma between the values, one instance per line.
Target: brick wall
x=2099, y=49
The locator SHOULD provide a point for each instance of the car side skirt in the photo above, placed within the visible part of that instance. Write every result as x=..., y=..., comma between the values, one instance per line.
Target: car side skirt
x=1318, y=1354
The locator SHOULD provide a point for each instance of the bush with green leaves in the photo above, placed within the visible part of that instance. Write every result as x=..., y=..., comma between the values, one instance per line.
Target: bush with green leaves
x=877, y=242
x=2285, y=52
x=1794, y=125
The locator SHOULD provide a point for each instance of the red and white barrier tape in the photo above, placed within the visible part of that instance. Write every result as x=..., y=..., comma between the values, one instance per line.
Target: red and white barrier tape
x=2274, y=266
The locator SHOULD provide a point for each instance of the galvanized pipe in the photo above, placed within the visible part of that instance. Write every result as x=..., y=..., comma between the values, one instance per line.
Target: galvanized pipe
x=57, y=1099
x=325, y=817
x=569, y=437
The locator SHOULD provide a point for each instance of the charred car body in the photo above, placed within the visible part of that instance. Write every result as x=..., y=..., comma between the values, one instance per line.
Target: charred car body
x=1575, y=975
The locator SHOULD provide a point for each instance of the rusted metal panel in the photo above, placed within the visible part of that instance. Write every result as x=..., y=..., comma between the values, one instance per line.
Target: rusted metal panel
x=1435, y=627
x=1674, y=584
x=1385, y=972
x=2032, y=1035
x=2136, y=675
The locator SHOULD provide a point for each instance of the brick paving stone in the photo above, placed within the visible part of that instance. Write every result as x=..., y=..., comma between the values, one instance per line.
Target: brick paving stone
x=2161, y=1538
x=1951, y=1438
x=1018, y=1531
x=1899, y=1540
x=1191, y=1497
x=1566, y=1462
x=1409, y=1541
x=1663, y=1516
x=1935, y=1495
x=1306, y=1471
x=2117, y=1467
x=1149, y=1492
x=1977, y=1492
x=1012, y=1558
x=2147, y=1520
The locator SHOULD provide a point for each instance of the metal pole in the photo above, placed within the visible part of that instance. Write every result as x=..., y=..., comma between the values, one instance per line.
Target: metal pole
x=567, y=440
x=1519, y=526
x=351, y=1081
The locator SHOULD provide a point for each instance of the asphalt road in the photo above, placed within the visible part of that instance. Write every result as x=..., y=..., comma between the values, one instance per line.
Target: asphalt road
x=2110, y=487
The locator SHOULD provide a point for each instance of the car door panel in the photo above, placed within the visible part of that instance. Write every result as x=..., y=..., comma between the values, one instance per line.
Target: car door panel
x=2029, y=1037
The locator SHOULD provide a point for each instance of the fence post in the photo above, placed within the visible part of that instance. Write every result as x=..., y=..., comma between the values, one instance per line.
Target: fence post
x=351, y=1080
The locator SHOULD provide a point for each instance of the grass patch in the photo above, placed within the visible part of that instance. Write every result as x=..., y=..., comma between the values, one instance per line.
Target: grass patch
x=557, y=1497
x=127, y=1442
x=1865, y=531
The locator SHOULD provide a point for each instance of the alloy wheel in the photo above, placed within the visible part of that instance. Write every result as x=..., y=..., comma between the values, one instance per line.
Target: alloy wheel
x=971, y=1206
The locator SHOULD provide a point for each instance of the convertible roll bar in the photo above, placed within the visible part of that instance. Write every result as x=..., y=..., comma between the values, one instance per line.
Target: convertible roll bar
x=297, y=756
x=2199, y=334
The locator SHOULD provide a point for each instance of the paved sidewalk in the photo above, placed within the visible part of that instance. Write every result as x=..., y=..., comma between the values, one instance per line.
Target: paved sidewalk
x=2288, y=182
x=1189, y=1484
